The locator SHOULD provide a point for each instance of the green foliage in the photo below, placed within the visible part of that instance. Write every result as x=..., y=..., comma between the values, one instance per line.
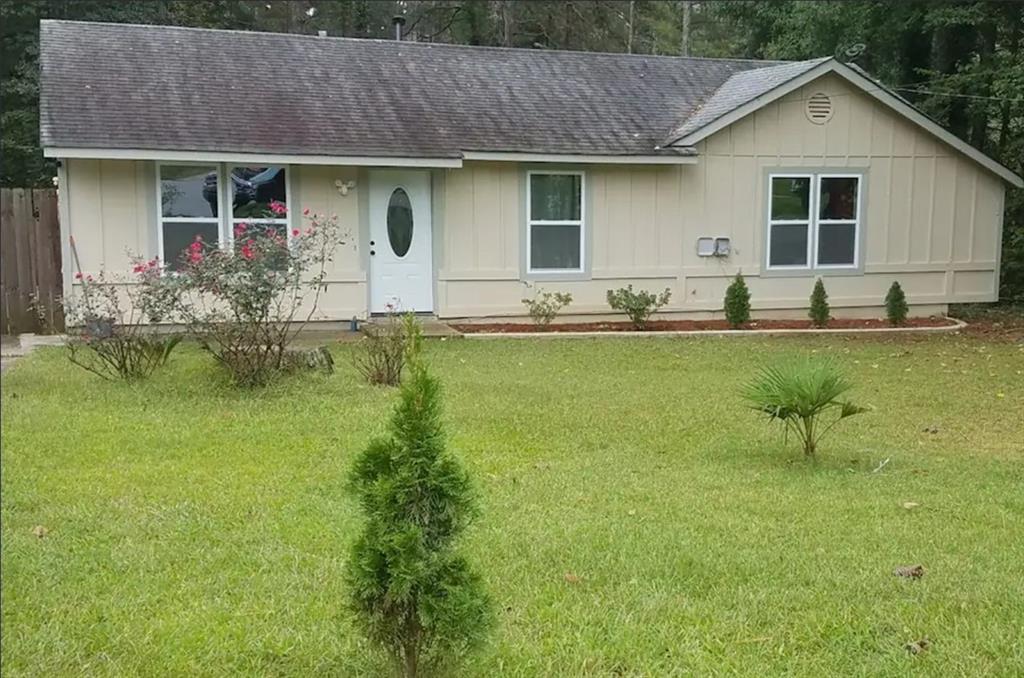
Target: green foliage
x=896, y=304
x=411, y=589
x=246, y=305
x=737, y=302
x=819, y=311
x=381, y=354
x=803, y=396
x=108, y=321
x=639, y=306
x=544, y=306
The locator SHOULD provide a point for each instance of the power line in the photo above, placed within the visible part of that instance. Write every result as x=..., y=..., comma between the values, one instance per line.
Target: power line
x=958, y=96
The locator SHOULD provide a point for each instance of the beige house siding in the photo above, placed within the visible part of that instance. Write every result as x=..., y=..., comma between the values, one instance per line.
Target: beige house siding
x=931, y=219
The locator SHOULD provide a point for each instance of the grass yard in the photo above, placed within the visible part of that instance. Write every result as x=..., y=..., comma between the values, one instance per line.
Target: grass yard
x=195, y=530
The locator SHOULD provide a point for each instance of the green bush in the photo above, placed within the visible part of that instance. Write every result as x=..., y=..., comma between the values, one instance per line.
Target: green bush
x=737, y=302
x=639, y=306
x=896, y=305
x=804, y=397
x=544, y=306
x=411, y=589
x=819, y=312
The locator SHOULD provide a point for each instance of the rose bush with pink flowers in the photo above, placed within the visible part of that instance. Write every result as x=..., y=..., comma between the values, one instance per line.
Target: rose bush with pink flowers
x=246, y=304
x=109, y=320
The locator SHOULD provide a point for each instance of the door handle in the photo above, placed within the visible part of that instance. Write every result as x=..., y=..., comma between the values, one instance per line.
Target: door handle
x=372, y=253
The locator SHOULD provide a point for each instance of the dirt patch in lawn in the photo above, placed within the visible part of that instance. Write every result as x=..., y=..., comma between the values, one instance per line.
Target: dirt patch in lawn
x=696, y=325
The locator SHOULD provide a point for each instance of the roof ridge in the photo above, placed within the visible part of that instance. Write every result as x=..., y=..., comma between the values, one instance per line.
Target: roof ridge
x=421, y=44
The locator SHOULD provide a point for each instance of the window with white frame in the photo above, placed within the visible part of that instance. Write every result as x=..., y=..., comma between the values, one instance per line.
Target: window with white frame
x=813, y=221
x=191, y=196
x=189, y=209
x=259, y=200
x=554, y=229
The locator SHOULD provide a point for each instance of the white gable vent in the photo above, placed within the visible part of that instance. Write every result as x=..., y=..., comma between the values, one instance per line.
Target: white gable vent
x=819, y=108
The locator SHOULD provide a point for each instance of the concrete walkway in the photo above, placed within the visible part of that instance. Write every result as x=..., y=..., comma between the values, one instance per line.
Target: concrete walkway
x=10, y=351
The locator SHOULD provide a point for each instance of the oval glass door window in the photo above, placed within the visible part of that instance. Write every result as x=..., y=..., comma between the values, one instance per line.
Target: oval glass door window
x=399, y=222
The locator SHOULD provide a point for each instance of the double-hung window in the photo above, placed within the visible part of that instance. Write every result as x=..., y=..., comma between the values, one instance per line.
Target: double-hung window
x=259, y=198
x=192, y=200
x=814, y=221
x=189, y=209
x=554, y=228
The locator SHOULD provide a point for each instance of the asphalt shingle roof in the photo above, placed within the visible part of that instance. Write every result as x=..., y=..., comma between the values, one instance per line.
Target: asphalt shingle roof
x=739, y=89
x=169, y=88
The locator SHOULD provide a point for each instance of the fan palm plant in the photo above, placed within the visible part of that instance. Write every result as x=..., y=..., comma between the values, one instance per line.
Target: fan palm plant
x=805, y=397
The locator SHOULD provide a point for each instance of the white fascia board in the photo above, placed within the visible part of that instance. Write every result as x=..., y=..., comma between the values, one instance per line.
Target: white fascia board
x=871, y=88
x=582, y=159
x=242, y=158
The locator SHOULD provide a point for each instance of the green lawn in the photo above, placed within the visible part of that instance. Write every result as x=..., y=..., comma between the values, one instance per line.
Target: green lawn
x=195, y=530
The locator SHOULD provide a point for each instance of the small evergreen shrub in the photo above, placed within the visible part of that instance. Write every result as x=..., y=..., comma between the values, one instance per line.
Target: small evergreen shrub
x=639, y=306
x=381, y=354
x=737, y=302
x=804, y=397
x=896, y=305
x=819, y=312
x=544, y=306
x=411, y=589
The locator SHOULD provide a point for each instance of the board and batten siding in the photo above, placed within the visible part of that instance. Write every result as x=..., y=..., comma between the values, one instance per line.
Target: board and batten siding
x=111, y=211
x=931, y=218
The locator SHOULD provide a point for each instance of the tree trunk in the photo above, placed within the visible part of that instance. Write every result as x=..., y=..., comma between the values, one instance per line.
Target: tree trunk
x=980, y=110
x=684, y=38
x=629, y=35
x=1005, y=117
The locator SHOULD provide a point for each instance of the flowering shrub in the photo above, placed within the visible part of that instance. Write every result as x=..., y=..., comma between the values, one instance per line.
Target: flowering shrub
x=245, y=305
x=107, y=321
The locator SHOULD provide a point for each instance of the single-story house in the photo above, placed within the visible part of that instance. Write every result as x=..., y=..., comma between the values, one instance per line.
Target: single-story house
x=464, y=172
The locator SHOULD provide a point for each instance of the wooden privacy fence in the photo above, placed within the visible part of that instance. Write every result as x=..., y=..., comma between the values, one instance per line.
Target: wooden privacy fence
x=30, y=275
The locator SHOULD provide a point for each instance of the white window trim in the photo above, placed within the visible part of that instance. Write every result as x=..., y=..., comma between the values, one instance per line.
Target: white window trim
x=531, y=222
x=814, y=223
x=225, y=218
x=161, y=219
x=286, y=221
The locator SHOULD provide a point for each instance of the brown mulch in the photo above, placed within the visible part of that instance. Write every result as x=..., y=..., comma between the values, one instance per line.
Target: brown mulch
x=694, y=325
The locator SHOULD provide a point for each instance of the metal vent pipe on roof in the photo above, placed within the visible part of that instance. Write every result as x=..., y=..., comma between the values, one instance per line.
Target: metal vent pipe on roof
x=398, y=21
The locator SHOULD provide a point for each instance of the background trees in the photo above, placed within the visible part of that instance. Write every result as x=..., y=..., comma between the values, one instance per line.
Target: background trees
x=961, y=62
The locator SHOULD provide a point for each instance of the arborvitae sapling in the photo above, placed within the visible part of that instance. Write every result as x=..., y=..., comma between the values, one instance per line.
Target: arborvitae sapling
x=819, y=311
x=410, y=588
x=737, y=302
x=896, y=305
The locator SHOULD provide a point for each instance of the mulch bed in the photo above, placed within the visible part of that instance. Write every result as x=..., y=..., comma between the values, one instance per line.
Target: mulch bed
x=694, y=325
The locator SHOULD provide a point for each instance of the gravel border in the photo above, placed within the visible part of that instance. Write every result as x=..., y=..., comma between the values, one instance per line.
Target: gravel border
x=959, y=325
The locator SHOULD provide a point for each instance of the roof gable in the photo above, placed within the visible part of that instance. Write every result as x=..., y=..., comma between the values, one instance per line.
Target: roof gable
x=728, y=105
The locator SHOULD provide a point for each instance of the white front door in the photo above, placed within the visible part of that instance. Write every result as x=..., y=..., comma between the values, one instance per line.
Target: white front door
x=401, y=264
